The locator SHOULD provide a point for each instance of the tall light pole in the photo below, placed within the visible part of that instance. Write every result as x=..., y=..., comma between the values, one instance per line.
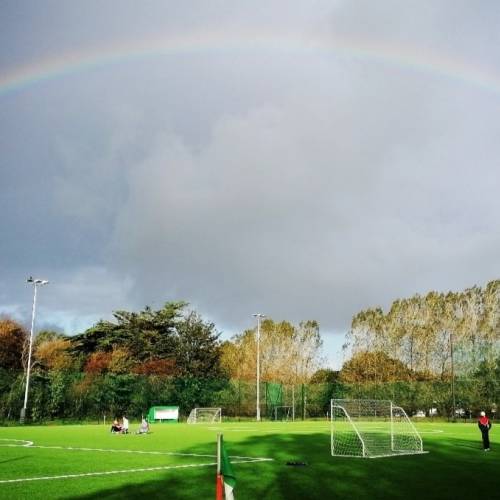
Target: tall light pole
x=453, y=404
x=36, y=283
x=259, y=317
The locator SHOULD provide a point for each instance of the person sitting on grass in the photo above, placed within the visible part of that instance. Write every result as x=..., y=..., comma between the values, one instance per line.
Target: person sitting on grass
x=144, y=427
x=125, y=425
x=484, y=425
x=115, y=427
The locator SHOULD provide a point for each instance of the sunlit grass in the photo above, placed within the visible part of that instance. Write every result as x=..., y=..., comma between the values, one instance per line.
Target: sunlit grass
x=180, y=461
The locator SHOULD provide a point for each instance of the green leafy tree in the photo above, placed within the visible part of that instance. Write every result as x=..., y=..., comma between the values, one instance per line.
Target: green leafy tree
x=198, y=362
x=147, y=334
x=57, y=383
x=197, y=349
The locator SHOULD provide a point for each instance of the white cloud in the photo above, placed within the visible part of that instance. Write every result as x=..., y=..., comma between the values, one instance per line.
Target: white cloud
x=300, y=183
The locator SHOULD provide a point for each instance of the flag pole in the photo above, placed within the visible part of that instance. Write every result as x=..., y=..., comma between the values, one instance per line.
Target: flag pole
x=218, y=483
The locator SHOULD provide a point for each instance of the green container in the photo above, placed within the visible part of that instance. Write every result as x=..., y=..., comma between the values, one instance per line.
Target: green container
x=163, y=414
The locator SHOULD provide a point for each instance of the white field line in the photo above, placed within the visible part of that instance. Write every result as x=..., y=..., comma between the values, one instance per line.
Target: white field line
x=310, y=430
x=236, y=460
x=274, y=431
x=283, y=430
x=86, y=474
x=26, y=443
x=125, y=471
x=111, y=450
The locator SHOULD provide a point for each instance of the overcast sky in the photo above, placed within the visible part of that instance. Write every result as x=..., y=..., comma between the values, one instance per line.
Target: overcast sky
x=300, y=159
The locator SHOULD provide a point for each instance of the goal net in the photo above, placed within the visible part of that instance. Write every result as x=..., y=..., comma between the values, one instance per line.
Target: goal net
x=204, y=416
x=283, y=413
x=371, y=428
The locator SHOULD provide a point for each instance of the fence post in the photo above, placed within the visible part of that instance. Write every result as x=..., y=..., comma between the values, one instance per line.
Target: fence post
x=239, y=400
x=267, y=397
x=303, y=402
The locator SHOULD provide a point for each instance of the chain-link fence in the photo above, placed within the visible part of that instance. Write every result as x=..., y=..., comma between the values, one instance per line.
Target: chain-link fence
x=420, y=399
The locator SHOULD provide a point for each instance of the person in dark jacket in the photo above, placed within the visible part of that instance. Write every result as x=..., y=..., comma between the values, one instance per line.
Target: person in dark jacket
x=115, y=427
x=484, y=425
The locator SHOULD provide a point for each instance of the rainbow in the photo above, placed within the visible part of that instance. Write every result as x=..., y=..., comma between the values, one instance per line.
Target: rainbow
x=408, y=58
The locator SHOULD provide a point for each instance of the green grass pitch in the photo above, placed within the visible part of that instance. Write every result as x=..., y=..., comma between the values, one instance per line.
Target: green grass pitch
x=176, y=461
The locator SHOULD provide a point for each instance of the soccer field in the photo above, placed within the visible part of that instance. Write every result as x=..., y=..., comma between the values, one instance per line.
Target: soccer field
x=177, y=461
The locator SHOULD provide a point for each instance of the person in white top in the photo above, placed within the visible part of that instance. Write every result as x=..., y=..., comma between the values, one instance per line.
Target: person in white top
x=144, y=428
x=125, y=425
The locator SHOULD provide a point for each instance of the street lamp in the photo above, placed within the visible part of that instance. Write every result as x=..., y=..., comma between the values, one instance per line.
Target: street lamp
x=36, y=283
x=259, y=318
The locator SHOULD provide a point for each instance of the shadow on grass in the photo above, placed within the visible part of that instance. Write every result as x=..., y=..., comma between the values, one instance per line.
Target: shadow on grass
x=453, y=468
x=15, y=459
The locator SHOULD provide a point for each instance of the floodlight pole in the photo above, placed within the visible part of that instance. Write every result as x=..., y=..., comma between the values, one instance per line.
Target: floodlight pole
x=453, y=404
x=259, y=317
x=36, y=283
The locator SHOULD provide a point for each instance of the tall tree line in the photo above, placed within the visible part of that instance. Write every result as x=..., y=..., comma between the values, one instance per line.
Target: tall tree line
x=288, y=353
x=143, y=358
x=427, y=333
x=170, y=355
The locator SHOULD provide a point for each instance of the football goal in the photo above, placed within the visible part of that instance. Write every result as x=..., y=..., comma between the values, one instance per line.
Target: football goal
x=205, y=416
x=282, y=413
x=371, y=428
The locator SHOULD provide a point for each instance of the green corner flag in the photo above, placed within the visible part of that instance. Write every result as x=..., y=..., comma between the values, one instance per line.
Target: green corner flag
x=227, y=473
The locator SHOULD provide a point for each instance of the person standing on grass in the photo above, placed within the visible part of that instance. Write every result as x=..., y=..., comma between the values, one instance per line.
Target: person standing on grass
x=484, y=425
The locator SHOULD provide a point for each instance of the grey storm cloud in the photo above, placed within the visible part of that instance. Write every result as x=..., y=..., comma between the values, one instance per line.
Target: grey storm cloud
x=306, y=184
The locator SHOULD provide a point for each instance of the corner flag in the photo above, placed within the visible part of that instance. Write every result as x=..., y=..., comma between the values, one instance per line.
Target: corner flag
x=225, y=475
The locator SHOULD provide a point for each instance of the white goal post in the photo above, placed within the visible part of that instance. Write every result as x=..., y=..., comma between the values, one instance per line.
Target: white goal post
x=205, y=416
x=371, y=428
